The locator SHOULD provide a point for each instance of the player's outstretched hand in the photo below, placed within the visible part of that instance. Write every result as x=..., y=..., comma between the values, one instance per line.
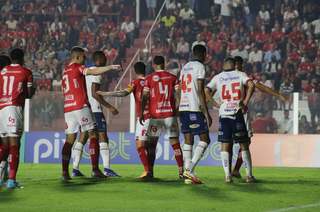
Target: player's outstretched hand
x=218, y=105
x=113, y=110
x=117, y=67
x=286, y=100
x=102, y=93
x=141, y=120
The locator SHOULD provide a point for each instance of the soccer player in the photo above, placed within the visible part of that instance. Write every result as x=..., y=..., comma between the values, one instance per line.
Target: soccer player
x=77, y=110
x=230, y=87
x=136, y=87
x=4, y=61
x=263, y=88
x=16, y=85
x=192, y=102
x=96, y=101
x=159, y=89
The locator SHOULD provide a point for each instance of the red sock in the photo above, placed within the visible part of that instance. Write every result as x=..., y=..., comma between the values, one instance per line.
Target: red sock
x=94, y=153
x=151, y=156
x=66, y=154
x=239, y=161
x=144, y=157
x=178, y=156
x=13, y=162
x=4, y=152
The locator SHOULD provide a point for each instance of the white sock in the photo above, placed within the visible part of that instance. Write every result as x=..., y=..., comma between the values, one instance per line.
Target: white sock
x=2, y=165
x=201, y=148
x=225, y=162
x=246, y=157
x=187, y=154
x=77, y=154
x=105, y=154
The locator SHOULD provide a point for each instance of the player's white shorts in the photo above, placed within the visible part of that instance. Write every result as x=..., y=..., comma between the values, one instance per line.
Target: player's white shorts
x=83, y=118
x=141, y=131
x=11, y=121
x=170, y=124
x=248, y=124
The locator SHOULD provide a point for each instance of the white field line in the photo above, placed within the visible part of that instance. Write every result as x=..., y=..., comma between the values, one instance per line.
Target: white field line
x=295, y=207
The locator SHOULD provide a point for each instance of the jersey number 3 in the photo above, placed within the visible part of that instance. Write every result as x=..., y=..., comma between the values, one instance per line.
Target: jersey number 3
x=235, y=90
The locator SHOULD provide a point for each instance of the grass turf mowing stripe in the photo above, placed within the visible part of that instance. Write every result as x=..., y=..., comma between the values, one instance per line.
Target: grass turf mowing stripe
x=295, y=207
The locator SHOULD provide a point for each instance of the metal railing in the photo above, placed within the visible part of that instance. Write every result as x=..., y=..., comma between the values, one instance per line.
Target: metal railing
x=150, y=31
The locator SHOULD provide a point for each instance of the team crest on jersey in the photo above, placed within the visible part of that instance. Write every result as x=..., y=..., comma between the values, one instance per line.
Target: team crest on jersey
x=155, y=78
x=4, y=71
x=142, y=83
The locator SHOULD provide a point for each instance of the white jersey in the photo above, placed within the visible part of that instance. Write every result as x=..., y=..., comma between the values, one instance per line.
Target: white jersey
x=189, y=76
x=93, y=79
x=230, y=87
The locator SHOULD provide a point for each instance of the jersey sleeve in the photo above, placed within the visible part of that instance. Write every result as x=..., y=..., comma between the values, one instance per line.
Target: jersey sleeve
x=30, y=78
x=176, y=85
x=83, y=70
x=245, y=78
x=212, y=84
x=254, y=80
x=131, y=87
x=201, y=73
x=97, y=79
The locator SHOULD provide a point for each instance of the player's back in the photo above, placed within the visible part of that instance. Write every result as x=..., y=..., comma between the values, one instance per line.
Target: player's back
x=189, y=76
x=136, y=87
x=230, y=87
x=162, y=102
x=14, y=81
x=74, y=87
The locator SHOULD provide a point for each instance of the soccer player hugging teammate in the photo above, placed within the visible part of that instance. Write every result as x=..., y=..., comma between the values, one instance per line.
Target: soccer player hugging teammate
x=136, y=87
x=193, y=112
x=77, y=110
x=159, y=89
x=230, y=87
x=16, y=86
x=96, y=101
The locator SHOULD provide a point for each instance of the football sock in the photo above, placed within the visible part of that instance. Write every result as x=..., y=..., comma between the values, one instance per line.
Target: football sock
x=66, y=154
x=151, y=156
x=2, y=165
x=144, y=157
x=94, y=153
x=246, y=156
x=201, y=148
x=77, y=153
x=178, y=156
x=4, y=152
x=105, y=154
x=239, y=161
x=187, y=154
x=13, y=162
x=230, y=160
x=225, y=162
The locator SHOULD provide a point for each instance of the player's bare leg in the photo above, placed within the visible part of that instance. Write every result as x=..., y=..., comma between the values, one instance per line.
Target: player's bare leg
x=246, y=156
x=152, y=153
x=13, y=161
x=177, y=154
x=77, y=154
x=198, y=153
x=226, y=147
x=94, y=153
x=66, y=154
x=142, y=148
x=4, y=153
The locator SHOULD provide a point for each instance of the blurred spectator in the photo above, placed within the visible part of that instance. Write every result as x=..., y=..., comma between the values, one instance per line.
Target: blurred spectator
x=226, y=13
x=62, y=53
x=273, y=69
x=285, y=124
x=252, y=33
x=89, y=60
x=128, y=7
x=304, y=127
x=93, y=43
x=92, y=7
x=286, y=89
x=206, y=34
x=306, y=67
x=63, y=6
x=195, y=26
x=257, y=103
x=216, y=65
x=28, y=62
x=268, y=55
x=118, y=40
x=111, y=53
x=310, y=46
x=48, y=72
x=5, y=44
x=173, y=66
x=297, y=83
x=312, y=91
x=147, y=59
x=174, y=35
x=198, y=41
x=224, y=35
x=296, y=38
x=74, y=14
x=262, y=37
x=188, y=35
x=209, y=72
x=260, y=125
x=36, y=74
x=255, y=58
x=160, y=35
x=232, y=45
x=174, y=5
x=55, y=35
x=294, y=57
x=311, y=14
x=6, y=9
x=272, y=123
x=12, y=24
x=209, y=55
x=85, y=35
x=64, y=41
x=169, y=19
x=47, y=112
x=19, y=32
x=109, y=25
x=255, y=72
x=241, y=35
x=33, y=23
x=56, y=84
x=44, y=82
x=186, y=14
x=91, y=25
x=128, y=28
x=7, y=31
x=240, y=51
x=264, y=16
x=216, y=46
x=19, y=42
x=316, y=25
x=56, y=22
x=278, y=37
x=32, y=34
x=183, y=50
x=289, y=15
x=317, y=74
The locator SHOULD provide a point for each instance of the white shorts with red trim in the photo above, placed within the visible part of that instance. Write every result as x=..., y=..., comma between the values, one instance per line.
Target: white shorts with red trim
x=141, y=131
x=11, y=121
x=170, y=124
x=77, y=119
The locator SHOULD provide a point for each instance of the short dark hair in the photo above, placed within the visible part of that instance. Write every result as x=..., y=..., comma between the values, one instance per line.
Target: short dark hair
x=4, y=61
x=76, y=50
x=140, y=68
x=199, y=50
x=16, y=54
x=158, y=60
x=229, y=61
x=239, y=60
x=97, y=55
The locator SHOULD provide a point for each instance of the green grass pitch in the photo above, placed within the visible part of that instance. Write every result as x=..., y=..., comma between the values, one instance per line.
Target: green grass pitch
x=281, y=189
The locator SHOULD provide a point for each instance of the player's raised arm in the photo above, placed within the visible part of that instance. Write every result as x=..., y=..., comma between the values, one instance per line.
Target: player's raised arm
x=121, y=93
x=267, y=90
x=250, y=92
x=101, y=70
